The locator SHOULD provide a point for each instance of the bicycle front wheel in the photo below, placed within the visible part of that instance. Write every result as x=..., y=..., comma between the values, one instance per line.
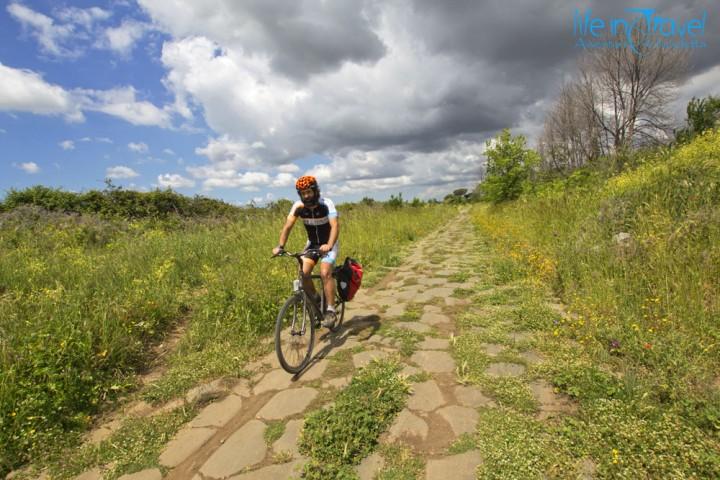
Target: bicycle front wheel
x=294, y=334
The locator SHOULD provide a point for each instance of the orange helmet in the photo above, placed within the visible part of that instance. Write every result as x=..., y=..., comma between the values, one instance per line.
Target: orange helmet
x=305, y=182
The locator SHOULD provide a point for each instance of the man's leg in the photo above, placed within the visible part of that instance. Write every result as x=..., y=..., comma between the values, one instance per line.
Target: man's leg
x=308, y=266
x=328, y=283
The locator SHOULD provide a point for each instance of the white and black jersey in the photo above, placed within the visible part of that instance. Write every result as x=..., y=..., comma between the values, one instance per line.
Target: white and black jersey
x=316, y=220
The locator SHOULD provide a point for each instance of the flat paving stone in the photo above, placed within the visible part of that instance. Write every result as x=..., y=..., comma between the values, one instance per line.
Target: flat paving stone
x=288, y=441
x=242, y=449
x=219, y=413
x=186, y=442
x=461, y=419
x=432, y=309
x=434, y=344
x=454, y=302
x=426, y=397
x=504, y=369
x=277, y=379
x=273, y=472
x=287, y=403
x=532, y=357
x=242, y=389
x=361, y=359
x=471, y=396
x=149, y=474
x=493, y=349
x=395, y=310
x=409, y=370
x=414, y=326
x=370, y=466
x=94, y=474
x=520, y=336
x=434, y=361
x=462, y=466
x=551, y=403
x=434, y=318
x=407, y=424
x=315, y=371
x=359, y=312
x=339, y=382
x=430, y=281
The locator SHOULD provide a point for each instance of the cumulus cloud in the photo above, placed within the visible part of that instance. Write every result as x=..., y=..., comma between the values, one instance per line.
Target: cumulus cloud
x=71, y=31
x=50, y=35
x=123, y=38
x=138, y=147
x=168, y=151
x=28, y=167
x=25, y=91
x=67, y=145
x=122, y=102
x=120, y=172
x=174, y=180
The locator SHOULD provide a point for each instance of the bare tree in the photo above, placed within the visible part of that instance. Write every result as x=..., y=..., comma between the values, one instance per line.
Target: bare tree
x=618, y=101
x=570, y=137
x=627, y=90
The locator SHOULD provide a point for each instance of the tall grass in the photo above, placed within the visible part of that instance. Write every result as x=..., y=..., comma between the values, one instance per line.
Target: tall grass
x=82, y=299
x=637, y=258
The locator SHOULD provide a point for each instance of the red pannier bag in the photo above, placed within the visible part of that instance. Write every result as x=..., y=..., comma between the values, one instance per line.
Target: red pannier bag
x=349, y=278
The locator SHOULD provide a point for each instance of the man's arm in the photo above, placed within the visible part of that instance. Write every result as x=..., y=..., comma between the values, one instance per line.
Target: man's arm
x=285, y=233
x=334, y=231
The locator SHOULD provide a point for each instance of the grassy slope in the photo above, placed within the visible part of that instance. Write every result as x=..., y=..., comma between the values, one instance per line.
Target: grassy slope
x=644, y=339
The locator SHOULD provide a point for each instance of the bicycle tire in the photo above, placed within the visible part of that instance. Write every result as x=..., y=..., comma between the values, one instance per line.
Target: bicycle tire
x=292, y=313
x=339, y=313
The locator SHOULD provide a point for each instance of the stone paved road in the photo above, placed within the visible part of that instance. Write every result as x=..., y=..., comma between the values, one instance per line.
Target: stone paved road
x=226, y=439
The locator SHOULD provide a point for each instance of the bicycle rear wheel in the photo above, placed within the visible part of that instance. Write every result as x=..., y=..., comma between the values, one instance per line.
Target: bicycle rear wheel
x=339, y=313
x=294, y=334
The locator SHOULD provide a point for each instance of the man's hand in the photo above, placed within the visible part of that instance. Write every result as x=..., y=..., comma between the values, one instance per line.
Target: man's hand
x=324, y=248
x=277, y=250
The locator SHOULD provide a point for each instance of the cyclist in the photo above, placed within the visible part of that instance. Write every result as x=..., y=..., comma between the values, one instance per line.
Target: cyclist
x=321, y=222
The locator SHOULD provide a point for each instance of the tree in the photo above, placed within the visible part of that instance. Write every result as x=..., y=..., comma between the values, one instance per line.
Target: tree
x=617, y=101
x=627, y=90
x=702, y=114
x=508, y=167
x=570, y=137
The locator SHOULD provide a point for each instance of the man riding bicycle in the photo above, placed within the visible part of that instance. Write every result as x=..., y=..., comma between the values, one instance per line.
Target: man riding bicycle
x=321, y=222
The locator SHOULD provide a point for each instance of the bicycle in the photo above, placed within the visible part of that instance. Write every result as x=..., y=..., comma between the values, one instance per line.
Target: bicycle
x=299, y=317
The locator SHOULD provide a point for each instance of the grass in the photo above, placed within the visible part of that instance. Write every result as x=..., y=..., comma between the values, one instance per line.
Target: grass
x=638, y=350
x=340, y=436
x=400, y=463
x=82, y=301
x=135, y=446
x=406, y=339
x=273, y=432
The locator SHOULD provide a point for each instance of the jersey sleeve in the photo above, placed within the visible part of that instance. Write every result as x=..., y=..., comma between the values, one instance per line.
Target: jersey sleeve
x=332, y=213
x=295, y=209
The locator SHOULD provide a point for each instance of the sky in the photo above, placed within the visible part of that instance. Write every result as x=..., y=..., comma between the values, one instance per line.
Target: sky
x=234, y=99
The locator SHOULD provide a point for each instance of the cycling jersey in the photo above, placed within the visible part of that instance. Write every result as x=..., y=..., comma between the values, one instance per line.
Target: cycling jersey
x=316, y=220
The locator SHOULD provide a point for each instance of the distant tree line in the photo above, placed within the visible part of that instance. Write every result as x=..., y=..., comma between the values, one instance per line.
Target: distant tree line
x=115, y=201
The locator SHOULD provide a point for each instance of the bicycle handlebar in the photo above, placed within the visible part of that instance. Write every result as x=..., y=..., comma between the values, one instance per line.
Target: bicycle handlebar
x=284, y=253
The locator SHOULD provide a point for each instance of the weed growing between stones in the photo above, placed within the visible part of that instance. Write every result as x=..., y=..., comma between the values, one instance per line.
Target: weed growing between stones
x=400, y=463
x=340, y=436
